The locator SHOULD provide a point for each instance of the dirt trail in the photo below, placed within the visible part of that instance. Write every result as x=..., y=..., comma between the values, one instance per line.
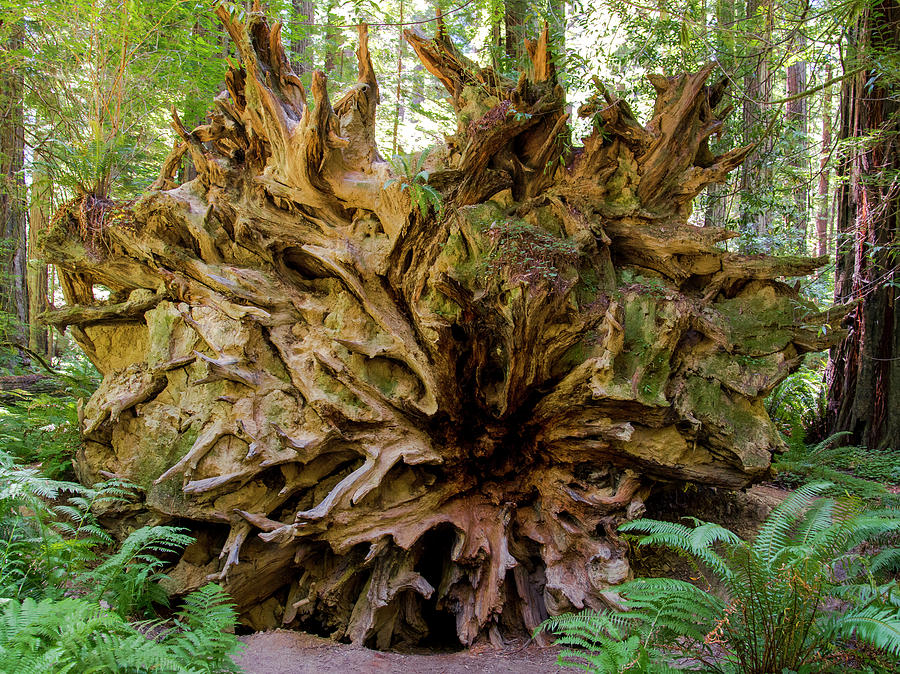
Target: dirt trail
x=287, y=652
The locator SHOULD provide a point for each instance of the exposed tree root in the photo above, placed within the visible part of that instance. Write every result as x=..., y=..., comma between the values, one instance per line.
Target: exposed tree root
x=380, y=422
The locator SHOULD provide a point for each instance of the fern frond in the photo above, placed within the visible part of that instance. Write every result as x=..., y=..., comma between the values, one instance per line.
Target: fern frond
x=128, y=579
x=202, y=630
x=677, y=536
x=885, y=560
x=878, y=627
x=775, y=533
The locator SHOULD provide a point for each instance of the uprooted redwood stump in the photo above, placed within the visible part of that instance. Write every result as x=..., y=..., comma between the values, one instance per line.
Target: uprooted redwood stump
x=381, y=421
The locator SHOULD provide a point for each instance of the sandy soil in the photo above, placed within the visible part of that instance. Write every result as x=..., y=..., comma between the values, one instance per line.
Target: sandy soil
x=287, y=652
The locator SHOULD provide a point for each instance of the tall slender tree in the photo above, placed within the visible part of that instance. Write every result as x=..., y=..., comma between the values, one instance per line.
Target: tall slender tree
x=301, y=45
x=14, y=297
x=823, y=212
x=39, y=210
x=798, y=123
x=756, y=173
x=864, y=371
x=516, y=14
x=723, y=41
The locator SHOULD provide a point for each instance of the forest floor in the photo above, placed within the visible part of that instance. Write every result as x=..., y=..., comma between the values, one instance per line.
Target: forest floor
x=287, y=652
x=290, y=652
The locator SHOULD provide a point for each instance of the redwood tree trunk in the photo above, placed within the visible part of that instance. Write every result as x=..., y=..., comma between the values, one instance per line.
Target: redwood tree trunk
x=823, y=212
x=13, y=242
x=515, y=14
x=718, y=194
x=798, y=124
x=37, y=277
x=864, y=370
x=384, y=415
x=756, y=175
x=305, y=15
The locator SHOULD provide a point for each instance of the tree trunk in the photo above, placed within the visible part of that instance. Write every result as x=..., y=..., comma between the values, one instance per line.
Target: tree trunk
x=20, y=388
x=37, y=277
x=398, y=109
x=331, y=46
x=515, y=14
x=864, y=370
x=718, y=194
x=305, y=15
x=823, y=213
x=404, y=415
x=13, y=239
x=495, y=42
x=798, y=123
x=756, y=176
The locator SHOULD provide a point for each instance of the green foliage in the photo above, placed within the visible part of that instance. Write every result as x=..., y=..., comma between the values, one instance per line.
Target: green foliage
x=203, y=633
x=76, y=635
x=41, y=544
x=412, y=176
x=523, y=253
x=100, y=76
x=47, y=546
x=879, y=465
x=851, y=468
x=779, y=592
x=41, y=429
x=73, y=635
x=129, y=579
x=799, y=400
x=606, y=642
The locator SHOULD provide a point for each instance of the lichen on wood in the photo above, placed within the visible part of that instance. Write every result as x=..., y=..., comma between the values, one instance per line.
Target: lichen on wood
x=379, y=421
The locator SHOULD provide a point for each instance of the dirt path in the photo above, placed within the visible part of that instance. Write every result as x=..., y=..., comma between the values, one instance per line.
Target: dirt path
x=286, y=652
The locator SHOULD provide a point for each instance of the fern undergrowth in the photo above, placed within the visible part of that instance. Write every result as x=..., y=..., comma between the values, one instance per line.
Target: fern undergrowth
x=784, y=602
x=65, y=602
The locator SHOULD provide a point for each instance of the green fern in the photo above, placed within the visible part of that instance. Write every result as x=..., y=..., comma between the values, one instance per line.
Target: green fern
x=773, y=617
x=42, y=546
x=33, y=555
x=77, y=635
x=826, y=461
x=877, y=626
x=798, y=402
x=202, y=631
x=129, y=579
x=45, y=548
x=604, y=642
x=412, y=176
